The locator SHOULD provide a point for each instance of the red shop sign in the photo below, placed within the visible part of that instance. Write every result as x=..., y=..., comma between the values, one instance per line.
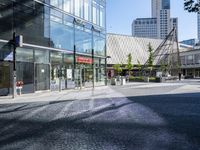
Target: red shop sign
x=84, y=60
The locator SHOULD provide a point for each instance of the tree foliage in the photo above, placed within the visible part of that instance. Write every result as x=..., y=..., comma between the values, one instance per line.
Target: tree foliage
x=117, y=68
x=139, y=67
x=129, y=65
x=192, y=5
x=150, y=59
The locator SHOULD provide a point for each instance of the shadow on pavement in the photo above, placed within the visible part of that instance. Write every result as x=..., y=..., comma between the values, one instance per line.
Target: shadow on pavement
x=169, y=122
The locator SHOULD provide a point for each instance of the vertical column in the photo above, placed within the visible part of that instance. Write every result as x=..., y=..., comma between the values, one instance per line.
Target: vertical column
x=74, y=63
x=14, y=65
x=93, y=69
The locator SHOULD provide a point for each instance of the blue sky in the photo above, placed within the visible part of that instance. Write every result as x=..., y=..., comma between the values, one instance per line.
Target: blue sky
x=121, y=13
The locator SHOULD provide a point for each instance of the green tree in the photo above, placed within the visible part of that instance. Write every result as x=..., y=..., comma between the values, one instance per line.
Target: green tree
x=117, y=68
x=139, y=67
x=150, y=58
x=129, y=65
x=192, y=5
x=162, y=66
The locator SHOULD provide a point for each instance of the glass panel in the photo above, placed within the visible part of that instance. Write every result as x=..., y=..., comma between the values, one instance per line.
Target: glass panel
x=69, y=60
x=42, y=77
x=62, y=36
x=24, y=55
x=99, y=71
x=99, y=44
x=87, y=10
x=56, y=16
x=57, y=3
x=42, y=56
x=32, y=23
x=56, y=67
x=94, y=12
x=6, y=51
x=5, y=76
x=77, y=5
x=83, y=40
x=102, y=16
x=6, y=19
x=84, y=75
x=68, y=6
x=56, y=58
x=25, y=73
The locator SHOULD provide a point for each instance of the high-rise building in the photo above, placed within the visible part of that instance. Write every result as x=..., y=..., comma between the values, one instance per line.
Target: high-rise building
x=198, y=25
x=164, y=24
x=145, y=27
x=63, y=44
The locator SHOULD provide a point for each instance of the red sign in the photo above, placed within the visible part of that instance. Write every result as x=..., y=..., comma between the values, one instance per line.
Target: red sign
x=84, y=60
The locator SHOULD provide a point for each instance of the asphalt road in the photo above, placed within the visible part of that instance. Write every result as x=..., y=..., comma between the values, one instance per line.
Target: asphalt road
x=152, y=117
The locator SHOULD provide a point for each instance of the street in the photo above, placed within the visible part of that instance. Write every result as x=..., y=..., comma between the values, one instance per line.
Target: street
x=137, y=116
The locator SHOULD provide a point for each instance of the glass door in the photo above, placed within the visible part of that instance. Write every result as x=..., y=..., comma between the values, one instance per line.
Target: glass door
x=42, y=77
x=87, y=75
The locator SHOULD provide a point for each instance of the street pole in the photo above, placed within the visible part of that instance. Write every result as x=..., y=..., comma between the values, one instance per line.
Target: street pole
x=14, y=66
x=74, y=72
x=93, y=70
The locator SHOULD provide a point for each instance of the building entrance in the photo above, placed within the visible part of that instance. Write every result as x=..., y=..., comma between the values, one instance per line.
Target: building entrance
x=42, y=77
x=5, y=76
x=84, y=75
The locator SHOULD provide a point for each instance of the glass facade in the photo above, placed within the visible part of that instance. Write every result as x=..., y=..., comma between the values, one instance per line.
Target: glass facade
x=55, y=33
x=165, y=4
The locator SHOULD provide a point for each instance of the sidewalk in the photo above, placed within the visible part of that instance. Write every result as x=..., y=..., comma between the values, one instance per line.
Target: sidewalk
x=65, y=95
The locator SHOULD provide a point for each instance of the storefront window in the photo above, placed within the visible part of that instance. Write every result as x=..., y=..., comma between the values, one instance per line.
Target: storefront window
x=69, y=60
x=99, y=71
x=24, y=55
x=25, y=68
x=83, y=39
x=42, y=56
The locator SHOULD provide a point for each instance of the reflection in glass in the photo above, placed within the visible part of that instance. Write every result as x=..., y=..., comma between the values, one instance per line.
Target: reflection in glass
x=42, y=56
x=42, y=77
x=61, y=36
x=83, y=39
x=25, y=73
x=68, y=6
x=99, y=44
x=56, y=3
x=24, y=55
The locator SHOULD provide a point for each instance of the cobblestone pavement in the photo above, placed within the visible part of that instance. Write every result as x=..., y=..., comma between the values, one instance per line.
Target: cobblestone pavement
x=164, y=117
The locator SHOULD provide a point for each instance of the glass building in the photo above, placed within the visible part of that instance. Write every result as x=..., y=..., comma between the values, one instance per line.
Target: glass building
x=63, y=44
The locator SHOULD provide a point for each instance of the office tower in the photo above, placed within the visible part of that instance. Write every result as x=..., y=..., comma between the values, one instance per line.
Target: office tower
x=161, y=13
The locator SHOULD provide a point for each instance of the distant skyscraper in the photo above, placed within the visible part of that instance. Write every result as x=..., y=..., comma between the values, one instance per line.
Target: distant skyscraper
x=198, y=25
x=164, y=24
